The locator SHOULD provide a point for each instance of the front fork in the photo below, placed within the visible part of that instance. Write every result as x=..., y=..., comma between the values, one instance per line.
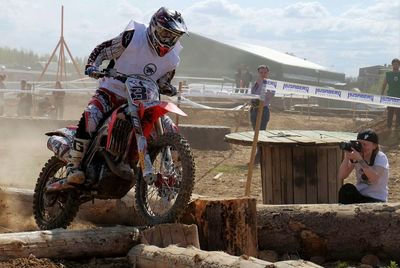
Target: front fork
x=144, y=158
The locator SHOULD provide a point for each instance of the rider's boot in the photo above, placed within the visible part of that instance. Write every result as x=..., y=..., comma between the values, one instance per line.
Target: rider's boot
x=75, y=175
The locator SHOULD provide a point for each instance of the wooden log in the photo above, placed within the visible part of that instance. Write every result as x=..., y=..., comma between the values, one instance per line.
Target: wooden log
x=145, y=256
x=164, y=235
x=225, y=224
x=61, y=243
x=333, y=231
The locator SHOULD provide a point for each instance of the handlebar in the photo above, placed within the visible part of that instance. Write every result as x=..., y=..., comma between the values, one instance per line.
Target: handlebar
x=113, y=73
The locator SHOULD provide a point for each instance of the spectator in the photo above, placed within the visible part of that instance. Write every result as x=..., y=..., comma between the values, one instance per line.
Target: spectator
x=392, y=79
x=2, y=86
x=25, y=99
x=45, y=108
x=59, y=101
x=238, y=79
x=258, y=89
x=372, y=172
x=247, y=78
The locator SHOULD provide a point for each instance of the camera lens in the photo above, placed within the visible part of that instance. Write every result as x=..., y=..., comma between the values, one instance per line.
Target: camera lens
x=364, y=177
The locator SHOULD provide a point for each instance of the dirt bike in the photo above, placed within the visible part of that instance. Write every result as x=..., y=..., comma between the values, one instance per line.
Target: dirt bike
x=116, y=161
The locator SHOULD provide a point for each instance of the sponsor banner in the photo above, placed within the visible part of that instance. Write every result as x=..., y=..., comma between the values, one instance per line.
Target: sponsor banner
x=286, y=88
x=280, y=87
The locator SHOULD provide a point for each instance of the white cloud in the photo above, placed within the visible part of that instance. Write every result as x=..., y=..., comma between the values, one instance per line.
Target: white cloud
x=305, y=10
x=367, y=31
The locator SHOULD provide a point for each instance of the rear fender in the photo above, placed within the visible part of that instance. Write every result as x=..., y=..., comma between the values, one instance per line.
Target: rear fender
x=67, y=132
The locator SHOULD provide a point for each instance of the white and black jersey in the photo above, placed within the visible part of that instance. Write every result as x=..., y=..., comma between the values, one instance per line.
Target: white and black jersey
x=123, y=45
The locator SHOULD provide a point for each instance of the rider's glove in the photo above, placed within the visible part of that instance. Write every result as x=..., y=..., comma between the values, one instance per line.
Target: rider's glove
x=168, y=90
x=91, y=70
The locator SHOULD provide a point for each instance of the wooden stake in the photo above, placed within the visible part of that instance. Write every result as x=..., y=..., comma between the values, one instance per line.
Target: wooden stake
x=254, y=147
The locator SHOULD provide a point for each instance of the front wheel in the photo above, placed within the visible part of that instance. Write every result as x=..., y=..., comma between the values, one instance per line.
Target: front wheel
x=166, y=199
x=55, y=209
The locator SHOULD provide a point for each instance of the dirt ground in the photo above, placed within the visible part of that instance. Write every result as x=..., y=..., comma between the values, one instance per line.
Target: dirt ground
x=218, y=173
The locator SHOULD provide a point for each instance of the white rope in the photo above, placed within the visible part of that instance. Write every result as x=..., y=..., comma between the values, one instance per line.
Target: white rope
x=193, y=104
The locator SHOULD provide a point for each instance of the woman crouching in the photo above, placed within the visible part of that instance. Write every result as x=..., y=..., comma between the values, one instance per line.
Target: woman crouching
x=372, y=171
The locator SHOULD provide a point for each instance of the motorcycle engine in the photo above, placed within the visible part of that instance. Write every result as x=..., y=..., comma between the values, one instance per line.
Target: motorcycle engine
x=107, y=184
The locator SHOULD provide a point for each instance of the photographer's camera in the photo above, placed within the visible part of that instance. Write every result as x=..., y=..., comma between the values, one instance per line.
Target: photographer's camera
x=348, y=145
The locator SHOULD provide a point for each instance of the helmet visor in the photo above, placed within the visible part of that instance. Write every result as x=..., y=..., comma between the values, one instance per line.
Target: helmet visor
x=166, y=37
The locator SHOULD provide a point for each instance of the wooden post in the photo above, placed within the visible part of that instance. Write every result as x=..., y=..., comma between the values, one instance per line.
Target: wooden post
x=225, y=224
x=254, y=147
x=179, y=102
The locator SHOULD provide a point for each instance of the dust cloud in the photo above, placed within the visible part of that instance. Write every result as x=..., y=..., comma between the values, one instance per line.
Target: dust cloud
x=23, y=153
x=23, y=150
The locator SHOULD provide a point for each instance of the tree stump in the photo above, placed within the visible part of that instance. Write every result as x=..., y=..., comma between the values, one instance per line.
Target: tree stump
x=225, y=224
x=164, y=235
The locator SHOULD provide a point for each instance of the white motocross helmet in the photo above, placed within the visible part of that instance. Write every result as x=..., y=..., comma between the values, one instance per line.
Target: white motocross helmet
x=165, y=29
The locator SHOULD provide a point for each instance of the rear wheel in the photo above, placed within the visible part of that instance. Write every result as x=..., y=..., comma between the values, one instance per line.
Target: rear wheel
x=166, y=199
x=55, y=209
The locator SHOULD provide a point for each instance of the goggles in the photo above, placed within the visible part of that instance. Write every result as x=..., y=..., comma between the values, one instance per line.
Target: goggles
x=166, y=37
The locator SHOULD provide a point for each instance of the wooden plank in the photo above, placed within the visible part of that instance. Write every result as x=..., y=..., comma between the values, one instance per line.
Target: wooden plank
x=332, y=176
x=322, y=173
x=263, y=169
x=241, y=138
x=311, y=174
x=276, y=178
x=318, y=136
x=282, y=160
x=340, y=135
x=275, y=137
x=286, y=175
x=291, y=136
x=289, y=174
x=296, y=137
x=266, y=166
x=339, y=159
x=299, y=183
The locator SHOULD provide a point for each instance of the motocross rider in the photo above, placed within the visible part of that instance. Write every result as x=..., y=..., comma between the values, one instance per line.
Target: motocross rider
x=152, y=51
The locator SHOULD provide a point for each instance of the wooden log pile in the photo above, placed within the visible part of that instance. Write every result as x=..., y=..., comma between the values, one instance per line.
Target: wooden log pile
x=238, y=226
x=122, y=241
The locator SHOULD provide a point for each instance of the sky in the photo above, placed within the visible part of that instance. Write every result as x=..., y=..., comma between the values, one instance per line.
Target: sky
x=341, y=35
